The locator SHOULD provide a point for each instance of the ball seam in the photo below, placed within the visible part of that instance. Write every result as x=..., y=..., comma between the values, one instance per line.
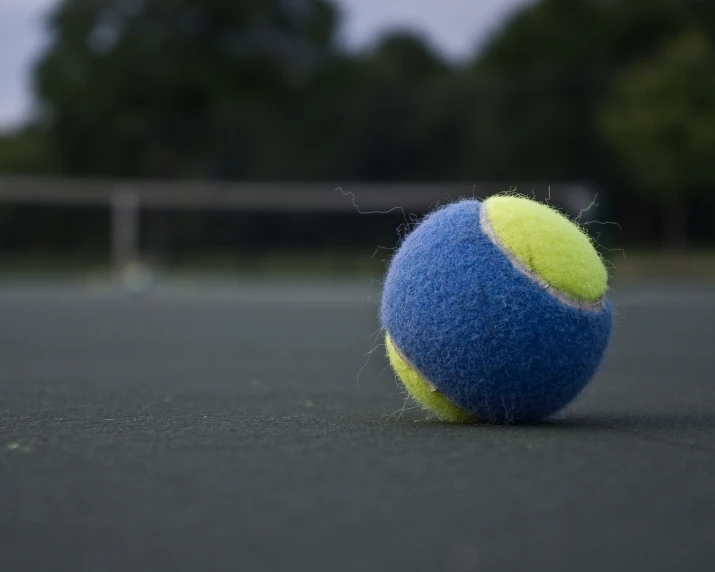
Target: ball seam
x=432, y=387
x=545, y=284
x=465, y=416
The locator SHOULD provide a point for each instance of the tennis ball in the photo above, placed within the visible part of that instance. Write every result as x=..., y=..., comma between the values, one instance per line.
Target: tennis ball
x=496, y=311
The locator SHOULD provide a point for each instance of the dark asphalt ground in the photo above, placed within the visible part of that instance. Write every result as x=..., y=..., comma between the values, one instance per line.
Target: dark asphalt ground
x=223, y=427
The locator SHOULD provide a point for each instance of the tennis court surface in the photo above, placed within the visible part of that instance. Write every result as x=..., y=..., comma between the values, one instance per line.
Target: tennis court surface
x=222, y=426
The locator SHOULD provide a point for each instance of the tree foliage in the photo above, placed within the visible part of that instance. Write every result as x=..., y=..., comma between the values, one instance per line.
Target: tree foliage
x=551, y=65
x=144, y=87
x=660, y=116
x=25, y=151
x=584, y=36
x=261, y=89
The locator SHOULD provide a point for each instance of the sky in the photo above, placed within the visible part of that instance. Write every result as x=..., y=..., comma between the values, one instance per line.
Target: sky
x=454, y=27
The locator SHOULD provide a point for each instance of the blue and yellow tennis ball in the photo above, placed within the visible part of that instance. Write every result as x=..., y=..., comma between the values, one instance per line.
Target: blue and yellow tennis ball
x=496, y=311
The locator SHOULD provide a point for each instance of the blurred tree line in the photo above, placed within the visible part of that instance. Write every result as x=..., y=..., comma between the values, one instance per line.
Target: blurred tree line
x=618, y=92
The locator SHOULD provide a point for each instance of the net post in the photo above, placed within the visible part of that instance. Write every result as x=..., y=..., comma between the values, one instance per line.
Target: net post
x=124, y=205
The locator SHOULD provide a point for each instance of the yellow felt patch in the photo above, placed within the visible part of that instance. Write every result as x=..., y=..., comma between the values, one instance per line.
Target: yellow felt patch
x=421, y=391
x=549, y=245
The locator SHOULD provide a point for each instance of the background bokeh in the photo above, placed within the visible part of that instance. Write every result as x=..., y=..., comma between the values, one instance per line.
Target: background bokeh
x=613, y=101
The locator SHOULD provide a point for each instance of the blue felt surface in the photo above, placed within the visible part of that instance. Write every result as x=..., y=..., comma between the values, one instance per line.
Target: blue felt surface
x=487, y=336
